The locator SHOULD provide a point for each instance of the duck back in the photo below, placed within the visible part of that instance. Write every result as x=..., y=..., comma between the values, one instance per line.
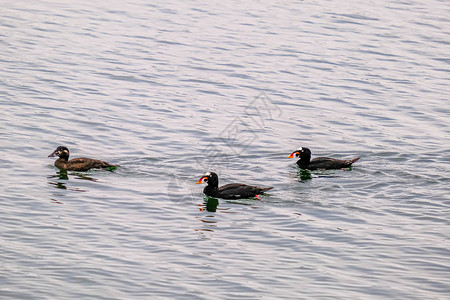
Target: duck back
x=82, y=164
x=327, y=163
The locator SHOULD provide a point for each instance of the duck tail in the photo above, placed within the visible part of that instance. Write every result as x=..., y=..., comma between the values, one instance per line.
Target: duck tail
x=266, y=189
x=351, y=161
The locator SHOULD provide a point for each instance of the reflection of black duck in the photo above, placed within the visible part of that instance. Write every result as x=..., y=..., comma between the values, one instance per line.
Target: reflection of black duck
x=78, y=164
x=229, y=191
x=319, y=163
x=211, y=204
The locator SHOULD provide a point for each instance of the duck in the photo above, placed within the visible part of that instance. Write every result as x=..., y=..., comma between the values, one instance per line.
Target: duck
x=78, y=164
x=229, y=191
x=319, y=163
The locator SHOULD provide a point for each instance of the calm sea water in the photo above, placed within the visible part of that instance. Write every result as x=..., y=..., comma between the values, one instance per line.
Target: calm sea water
x=174, y=89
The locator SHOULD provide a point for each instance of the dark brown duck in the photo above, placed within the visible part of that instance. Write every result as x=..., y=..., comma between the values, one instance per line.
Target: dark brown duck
x=78, y=164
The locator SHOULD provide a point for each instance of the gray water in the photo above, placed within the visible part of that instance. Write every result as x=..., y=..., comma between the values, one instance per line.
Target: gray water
x=174, y=89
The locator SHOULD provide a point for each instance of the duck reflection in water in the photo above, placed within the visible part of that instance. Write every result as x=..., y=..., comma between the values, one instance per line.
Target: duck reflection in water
x=63, y=175
x=207, y=218
x=210, y=204
x=304, y=175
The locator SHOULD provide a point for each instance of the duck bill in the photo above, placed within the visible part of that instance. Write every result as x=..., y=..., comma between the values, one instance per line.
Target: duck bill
x=292, y=155
x=53, y=154
x=200, y=181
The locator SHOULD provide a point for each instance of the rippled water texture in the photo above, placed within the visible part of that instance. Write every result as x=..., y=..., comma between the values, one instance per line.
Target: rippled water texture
x=172, y=90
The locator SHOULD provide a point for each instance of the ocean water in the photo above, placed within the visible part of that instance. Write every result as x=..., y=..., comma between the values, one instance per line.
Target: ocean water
x=172, y=90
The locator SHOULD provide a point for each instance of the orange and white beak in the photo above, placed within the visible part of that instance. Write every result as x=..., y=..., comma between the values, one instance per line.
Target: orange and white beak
x=292, y=154
x=200, y=181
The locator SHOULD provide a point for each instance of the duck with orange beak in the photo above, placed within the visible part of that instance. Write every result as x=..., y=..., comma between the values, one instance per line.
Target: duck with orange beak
x=229, y=191
x=319, y=163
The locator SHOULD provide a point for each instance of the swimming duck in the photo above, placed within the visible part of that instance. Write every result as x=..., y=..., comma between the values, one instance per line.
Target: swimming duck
x=78, y=164
x=319, y=163
x=229, y=191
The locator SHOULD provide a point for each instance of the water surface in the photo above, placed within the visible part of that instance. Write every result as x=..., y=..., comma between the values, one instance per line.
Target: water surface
x=172, y=90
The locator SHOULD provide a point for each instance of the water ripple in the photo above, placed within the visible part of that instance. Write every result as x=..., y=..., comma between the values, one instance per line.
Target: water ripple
x=169, y=92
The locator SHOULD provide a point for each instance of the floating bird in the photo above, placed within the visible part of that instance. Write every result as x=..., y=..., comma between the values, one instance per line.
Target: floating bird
x=319, y=163
x=78, y=164
x=229, y=191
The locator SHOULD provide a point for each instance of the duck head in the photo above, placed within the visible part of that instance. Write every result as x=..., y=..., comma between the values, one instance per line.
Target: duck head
x=211, y=178
x=61, y=152
x=301, y=152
